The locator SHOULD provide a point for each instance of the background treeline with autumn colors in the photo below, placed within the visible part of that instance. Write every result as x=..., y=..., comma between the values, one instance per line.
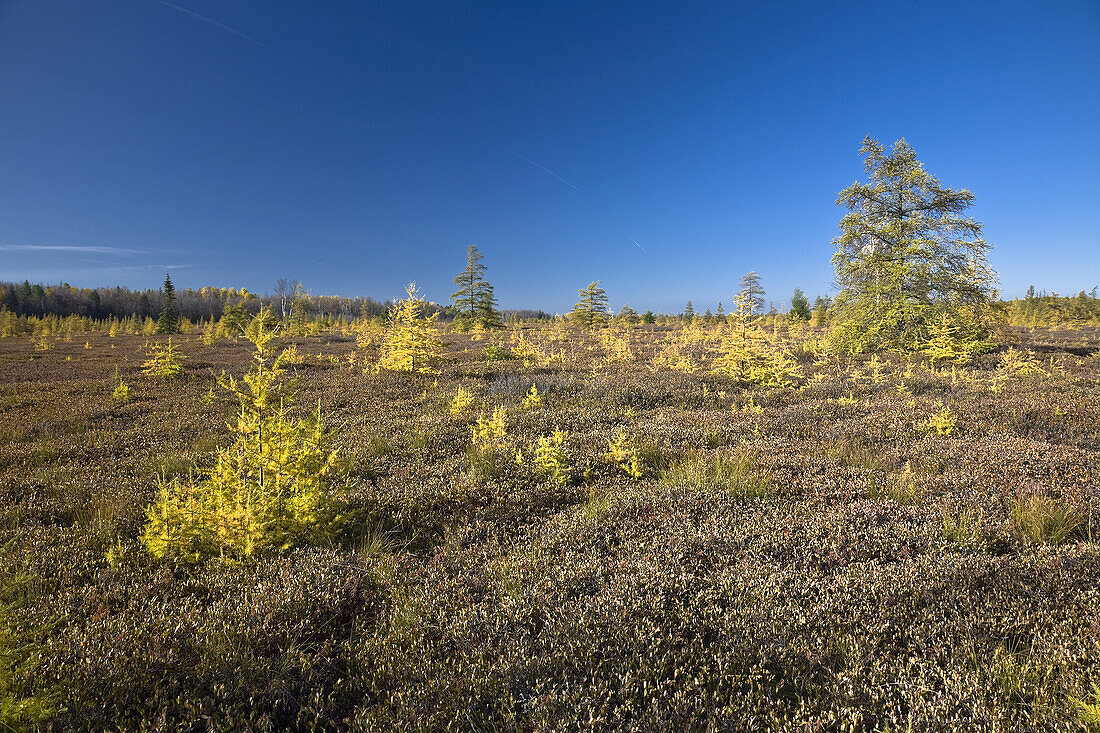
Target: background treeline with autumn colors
x=208, y=303
x=26, y=299
x=1036, y=308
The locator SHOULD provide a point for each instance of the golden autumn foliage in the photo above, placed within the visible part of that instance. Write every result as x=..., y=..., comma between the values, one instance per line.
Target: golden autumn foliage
x=411, y=343
x=266, y=491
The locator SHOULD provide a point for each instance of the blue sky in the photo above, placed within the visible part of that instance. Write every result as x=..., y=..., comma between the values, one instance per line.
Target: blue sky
x=663, y=148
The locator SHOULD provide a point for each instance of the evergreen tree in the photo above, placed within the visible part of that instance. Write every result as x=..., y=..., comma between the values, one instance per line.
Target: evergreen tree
x=649, y=317
x=689, y=311
x=906, y=255
x=800, y=306
x=591, y=308
x=473, y=300
x=486, y=313
x=169, y=321
x=753, y=293
x=10, y=300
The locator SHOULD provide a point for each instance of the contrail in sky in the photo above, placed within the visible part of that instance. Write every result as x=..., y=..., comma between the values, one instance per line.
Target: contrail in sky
x=204, y=19
x=555, y=175
x=567, y=183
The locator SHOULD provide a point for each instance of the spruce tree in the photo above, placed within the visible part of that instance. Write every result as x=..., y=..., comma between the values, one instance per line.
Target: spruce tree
x=821, y=311
x=474, y=300
x=906, y=255
x=169, y=321
x=800, y=306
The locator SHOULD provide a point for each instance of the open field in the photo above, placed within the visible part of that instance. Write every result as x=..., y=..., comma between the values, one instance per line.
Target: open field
x=883, y=547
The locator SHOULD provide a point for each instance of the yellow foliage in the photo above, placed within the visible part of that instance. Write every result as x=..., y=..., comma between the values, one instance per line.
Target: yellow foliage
x=749, y=355
x=533, y=398
x=265, y=492
x=616, y=347
x=525, y=350
x=621, y=453
x=122, y=392
x=946, y=344
x=550, y=458
x=366, y=331
x=490, y=430
x=411, y=344
x=165, y=361
x=942, y=422
x=1017, y=363
x=291, y=356
x=461, y=402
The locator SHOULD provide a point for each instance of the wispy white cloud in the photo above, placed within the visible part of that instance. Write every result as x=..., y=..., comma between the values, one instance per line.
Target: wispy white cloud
x=85, y=248
x=212, y=22
x=153, y=267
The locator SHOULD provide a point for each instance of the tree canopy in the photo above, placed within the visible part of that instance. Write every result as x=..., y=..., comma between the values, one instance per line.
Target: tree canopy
x=752, y=293
x=169, y=321
x=907, y=254
x=474, y=299
x=591, y=307
x=800, y=306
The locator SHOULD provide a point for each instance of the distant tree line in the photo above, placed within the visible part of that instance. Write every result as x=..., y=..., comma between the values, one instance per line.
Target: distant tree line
x=1042, y=309
x=27, y=299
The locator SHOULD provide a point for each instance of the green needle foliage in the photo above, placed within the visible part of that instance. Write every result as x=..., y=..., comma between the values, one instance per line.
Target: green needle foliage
x=266, y=491
x=907, y=254
x=474, y=299
x=169, y=321
x=752, y=293
x=800, y=307
x=591, y=308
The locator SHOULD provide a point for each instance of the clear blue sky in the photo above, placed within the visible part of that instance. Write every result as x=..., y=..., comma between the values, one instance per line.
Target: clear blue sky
x=360, y=145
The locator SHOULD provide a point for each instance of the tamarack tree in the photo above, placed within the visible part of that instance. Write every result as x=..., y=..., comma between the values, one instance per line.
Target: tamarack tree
x=267, y=491
x=591, y=308
x=907, y=254
x=411, y=343
x=751, y=301
x=747, y=354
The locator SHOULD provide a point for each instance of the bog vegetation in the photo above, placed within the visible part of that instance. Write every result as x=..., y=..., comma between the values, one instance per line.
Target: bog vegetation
x=875, y=512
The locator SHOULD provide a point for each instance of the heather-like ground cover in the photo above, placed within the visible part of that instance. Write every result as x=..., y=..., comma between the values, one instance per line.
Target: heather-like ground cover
x=882, y=546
